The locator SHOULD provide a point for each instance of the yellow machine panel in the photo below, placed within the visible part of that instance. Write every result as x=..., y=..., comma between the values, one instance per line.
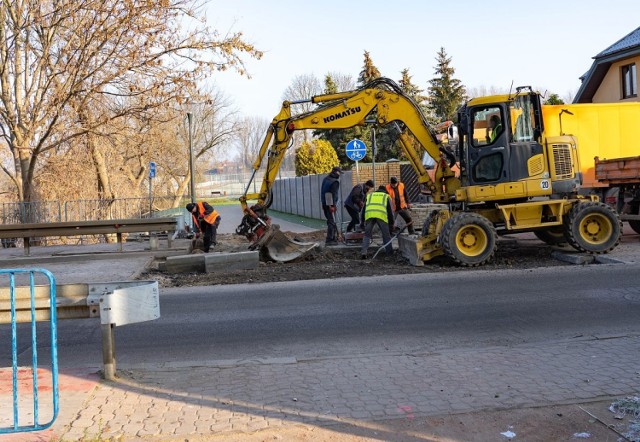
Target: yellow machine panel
x=605, y=130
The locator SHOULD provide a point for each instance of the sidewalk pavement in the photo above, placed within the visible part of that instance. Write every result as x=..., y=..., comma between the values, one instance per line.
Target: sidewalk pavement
x=190, y=400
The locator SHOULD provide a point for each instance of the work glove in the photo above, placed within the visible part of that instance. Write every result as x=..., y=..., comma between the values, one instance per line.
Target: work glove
x=332, y=209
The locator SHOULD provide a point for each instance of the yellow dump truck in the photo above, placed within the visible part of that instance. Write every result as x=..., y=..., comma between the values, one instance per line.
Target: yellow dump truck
x=608, y=137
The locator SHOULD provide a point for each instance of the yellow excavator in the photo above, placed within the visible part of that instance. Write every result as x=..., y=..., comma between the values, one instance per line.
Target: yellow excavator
x=512, y=177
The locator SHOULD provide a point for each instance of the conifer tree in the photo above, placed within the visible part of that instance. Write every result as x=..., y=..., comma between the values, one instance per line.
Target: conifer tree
x=369, y=70
x=446, y=93
x=338, y=138
x=411, y=89
x=554, y=99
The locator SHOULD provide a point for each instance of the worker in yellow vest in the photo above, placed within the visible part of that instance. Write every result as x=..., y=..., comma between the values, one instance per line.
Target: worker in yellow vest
x=206, y=220
x=400, y=202
x=377, y=212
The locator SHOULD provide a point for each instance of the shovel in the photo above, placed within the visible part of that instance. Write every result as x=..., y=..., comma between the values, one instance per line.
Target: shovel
x=391, y=240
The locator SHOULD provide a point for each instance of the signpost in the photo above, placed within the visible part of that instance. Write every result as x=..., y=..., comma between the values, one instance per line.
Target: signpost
x=152, y=175
x=356, y=150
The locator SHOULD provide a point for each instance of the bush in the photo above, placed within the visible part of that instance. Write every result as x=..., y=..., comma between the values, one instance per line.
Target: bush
x=317, y=156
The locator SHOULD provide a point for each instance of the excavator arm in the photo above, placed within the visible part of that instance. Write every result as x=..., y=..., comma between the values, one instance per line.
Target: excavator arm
x=381, y=100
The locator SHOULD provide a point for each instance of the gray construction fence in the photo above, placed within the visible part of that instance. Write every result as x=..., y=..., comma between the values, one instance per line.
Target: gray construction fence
x=301, y=196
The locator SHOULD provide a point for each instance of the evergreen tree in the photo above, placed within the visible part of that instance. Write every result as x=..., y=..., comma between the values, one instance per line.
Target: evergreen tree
x=338, y=138
x=369, y=71
x=330, y=86
x=554, y=99
x=385, y=136
x=317, y=156
x=412, y=90
x=446, y=93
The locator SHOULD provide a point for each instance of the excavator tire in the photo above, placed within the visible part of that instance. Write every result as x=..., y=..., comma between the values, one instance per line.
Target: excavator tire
x=593, y=227
x=553, y=236
x=468, y=239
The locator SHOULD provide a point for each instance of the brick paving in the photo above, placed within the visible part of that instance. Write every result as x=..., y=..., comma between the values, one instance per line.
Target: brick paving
x=181, y=400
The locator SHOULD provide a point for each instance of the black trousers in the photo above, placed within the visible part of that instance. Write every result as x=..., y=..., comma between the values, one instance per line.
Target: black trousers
x=332, y=228
x=209, y=233
x=355, y=218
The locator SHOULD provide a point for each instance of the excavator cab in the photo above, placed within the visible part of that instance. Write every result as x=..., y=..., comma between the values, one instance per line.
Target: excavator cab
x=502, y=135
x=504, y=155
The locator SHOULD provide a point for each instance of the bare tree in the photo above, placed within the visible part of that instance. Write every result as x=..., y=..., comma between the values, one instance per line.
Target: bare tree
x=302, y=87
x=62, y=63
x=249, y=138
x=343, y=82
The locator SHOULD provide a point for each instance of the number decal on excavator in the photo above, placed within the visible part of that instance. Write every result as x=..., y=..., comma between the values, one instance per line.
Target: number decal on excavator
x=544, y=184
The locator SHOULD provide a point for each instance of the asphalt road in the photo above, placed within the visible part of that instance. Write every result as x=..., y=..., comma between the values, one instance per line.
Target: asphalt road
x=382, y=315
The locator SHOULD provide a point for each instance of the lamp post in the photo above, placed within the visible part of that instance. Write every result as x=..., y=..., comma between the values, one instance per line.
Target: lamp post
x=191, y=164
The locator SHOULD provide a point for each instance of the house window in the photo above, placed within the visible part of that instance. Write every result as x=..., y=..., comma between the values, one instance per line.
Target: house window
x=629, y=81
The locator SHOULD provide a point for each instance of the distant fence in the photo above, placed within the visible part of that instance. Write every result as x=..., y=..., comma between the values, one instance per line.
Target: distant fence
x=85, y=210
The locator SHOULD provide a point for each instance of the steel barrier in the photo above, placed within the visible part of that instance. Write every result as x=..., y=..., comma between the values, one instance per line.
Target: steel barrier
x=14, y=300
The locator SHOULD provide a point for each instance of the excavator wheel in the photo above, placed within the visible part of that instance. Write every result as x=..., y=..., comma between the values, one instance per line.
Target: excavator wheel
x=593, y=227
x=468, y=239
x=553, y=236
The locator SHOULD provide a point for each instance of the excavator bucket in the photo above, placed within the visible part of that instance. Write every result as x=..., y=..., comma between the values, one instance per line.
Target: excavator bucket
x=276, y=246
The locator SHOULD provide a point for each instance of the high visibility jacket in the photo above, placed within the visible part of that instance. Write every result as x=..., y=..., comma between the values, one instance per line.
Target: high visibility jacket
x=209, y=218
x=377, y=206
x=392, y=195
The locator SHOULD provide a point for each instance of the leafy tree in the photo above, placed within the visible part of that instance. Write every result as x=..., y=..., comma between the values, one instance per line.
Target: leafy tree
x=446, y=93
x=554, y=99
x=71, y=70
x=317, y=156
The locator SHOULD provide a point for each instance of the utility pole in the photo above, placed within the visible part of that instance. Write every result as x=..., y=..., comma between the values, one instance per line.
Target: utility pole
x=191, y=164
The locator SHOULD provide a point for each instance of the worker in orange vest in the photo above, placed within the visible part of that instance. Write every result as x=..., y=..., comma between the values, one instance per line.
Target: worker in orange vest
x=400, y=202
x=206, y=219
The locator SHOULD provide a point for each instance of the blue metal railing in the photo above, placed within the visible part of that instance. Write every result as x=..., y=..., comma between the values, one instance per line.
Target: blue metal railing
x=36, y=425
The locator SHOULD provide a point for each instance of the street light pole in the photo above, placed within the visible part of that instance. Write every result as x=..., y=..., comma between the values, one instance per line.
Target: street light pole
x=191, y=164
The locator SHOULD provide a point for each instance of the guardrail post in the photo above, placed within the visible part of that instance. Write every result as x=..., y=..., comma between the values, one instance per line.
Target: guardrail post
x=108, y=352
x=153, y=241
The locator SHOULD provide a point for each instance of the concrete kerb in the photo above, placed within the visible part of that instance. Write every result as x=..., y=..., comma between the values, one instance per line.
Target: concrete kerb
x=212, y=262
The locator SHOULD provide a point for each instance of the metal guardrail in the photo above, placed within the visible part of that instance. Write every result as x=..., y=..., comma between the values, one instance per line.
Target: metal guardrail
x=30, y=304
x=117, y=227
x=115, y=303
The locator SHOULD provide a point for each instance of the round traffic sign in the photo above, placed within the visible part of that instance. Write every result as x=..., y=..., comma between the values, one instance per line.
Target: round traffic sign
x=356, y=150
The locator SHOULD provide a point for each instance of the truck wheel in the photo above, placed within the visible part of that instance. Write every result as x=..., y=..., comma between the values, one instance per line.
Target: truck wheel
x=635, y=225
x=553, y=236
x=468, y=239
x=593, y=227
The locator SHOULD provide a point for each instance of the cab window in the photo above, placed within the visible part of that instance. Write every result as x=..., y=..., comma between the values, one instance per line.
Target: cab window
x=487, y=125
x=522, y=117
x=488, y=168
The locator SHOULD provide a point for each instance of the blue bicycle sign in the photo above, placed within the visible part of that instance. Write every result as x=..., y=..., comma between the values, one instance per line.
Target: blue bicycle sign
x=356, y=150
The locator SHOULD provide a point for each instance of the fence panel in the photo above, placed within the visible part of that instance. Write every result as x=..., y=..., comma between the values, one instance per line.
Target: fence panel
x=24, y=402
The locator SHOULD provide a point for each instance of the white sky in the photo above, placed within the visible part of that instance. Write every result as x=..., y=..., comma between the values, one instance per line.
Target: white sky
x=543, y=43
